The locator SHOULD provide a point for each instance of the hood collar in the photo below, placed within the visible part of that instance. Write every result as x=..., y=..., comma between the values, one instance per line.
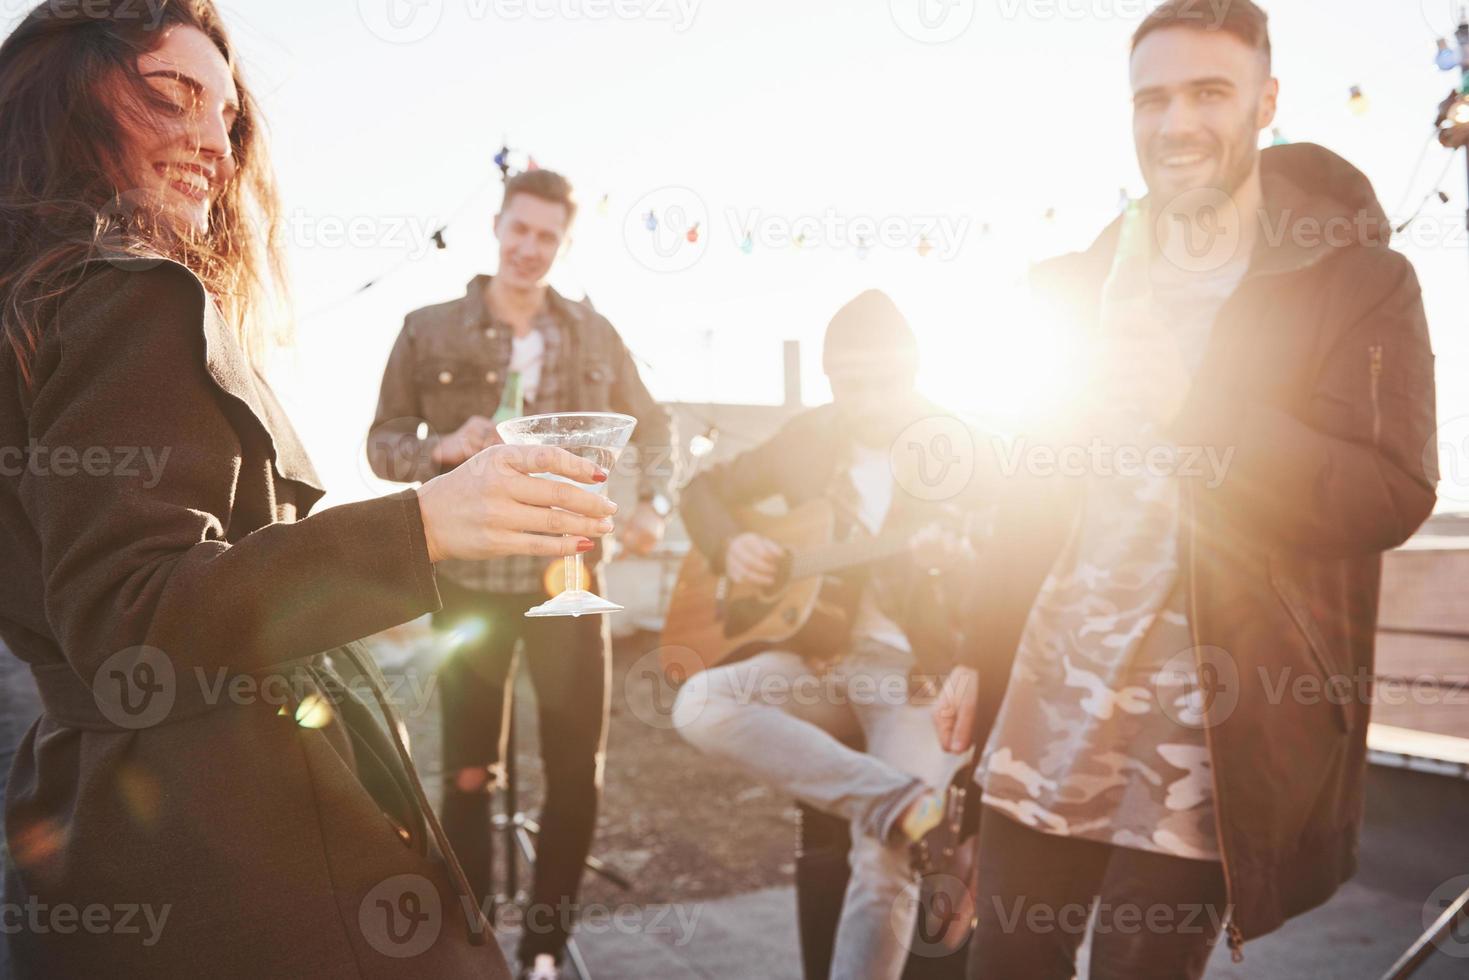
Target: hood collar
x=1314, y=203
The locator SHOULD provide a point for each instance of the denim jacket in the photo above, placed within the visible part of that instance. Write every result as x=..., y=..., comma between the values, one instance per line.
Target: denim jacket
x=450, y=363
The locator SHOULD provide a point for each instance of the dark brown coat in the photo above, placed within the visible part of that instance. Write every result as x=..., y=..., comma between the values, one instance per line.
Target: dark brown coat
x=278, y=848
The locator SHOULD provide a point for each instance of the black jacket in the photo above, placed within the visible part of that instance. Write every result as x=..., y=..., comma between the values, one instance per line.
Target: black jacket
x=1318, y=377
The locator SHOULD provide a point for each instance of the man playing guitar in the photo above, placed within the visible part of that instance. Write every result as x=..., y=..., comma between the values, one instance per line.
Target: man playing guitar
x=784, y=716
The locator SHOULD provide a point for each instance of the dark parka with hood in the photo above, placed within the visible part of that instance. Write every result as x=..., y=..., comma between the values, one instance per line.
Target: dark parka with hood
x=1318, y=388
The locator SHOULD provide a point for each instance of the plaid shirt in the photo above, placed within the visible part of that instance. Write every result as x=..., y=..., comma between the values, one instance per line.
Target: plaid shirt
x=451, y=361
x=522, y=573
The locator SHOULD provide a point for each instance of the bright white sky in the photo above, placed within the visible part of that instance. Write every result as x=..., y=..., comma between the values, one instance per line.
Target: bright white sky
x=764, y=112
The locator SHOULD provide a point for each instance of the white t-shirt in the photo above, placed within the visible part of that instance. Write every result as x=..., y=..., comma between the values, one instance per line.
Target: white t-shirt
x=872, y=476
x=527, y=354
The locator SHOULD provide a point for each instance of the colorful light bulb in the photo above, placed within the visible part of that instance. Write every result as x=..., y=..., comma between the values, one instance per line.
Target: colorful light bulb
x=1448, y=58
x=1359, y=103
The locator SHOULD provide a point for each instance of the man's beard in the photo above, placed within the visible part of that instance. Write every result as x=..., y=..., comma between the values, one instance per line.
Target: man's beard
x=1238, y=158
x=1246, y=152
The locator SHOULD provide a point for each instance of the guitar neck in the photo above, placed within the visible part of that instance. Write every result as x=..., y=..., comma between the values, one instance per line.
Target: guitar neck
x=847, y=554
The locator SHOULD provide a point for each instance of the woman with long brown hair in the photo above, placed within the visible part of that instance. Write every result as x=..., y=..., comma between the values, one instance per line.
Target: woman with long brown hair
x=208, y=791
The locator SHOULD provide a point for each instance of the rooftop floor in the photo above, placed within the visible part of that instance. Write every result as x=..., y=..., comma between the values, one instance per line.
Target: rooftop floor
x=710, y=903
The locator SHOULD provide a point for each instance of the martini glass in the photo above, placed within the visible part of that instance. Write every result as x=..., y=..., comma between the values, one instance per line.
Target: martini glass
x=598, y=436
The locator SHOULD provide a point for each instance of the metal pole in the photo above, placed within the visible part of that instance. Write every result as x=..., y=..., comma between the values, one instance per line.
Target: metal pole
x=1420, y=951
x=1462, y=36
x=512, y=802
x=793, y=373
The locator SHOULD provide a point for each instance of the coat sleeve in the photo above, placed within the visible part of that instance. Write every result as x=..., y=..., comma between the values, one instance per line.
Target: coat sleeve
x=754, y=475
x=135, y=560
x=394, y=450
x=1353, y=471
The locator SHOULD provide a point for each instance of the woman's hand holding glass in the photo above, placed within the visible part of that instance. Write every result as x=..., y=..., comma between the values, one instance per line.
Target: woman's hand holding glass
x=491, y=506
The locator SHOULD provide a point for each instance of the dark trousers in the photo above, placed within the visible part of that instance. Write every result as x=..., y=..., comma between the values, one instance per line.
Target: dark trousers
x=569, y=662
x=1157, y=916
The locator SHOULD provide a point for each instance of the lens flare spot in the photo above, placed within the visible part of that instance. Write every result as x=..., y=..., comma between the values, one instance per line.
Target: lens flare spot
x=313, y=712
x=35, y=843
x=140, y=794
x=554, y=580
x=466, y=633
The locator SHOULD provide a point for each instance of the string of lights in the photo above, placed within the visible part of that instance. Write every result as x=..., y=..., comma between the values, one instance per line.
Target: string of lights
x=1436, y=192
x=1453, y=126
x=1452, y=123
x=1358, y=102
x=1412, y=184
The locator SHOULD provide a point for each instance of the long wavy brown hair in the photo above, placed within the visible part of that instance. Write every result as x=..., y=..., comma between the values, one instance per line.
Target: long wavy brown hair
x=69, y=87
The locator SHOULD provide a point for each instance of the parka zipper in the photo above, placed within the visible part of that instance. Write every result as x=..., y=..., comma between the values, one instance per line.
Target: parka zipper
x=1235, y=936
x=1375, y=374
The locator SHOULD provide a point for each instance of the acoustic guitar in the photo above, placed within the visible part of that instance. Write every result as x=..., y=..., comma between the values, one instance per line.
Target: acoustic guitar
x=711, y=620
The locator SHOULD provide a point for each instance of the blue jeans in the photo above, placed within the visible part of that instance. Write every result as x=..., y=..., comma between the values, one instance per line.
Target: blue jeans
x=784, y=725
x=20, y=705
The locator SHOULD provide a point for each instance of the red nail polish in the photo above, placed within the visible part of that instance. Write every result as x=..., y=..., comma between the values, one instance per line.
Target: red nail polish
x=583, y=546
x=599, y=477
